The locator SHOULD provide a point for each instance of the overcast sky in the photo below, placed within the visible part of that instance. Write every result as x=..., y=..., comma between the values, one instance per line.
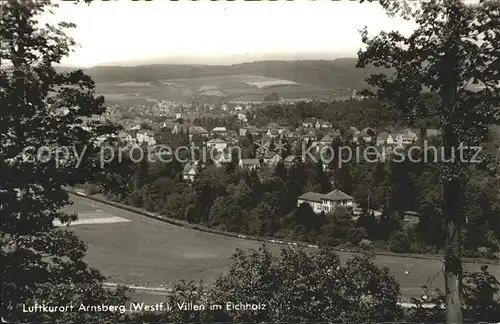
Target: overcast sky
x=128, y=32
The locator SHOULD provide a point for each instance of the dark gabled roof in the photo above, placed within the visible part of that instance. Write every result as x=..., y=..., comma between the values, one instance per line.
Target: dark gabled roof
x=219, y=129
x=337, y=195
x=311, y=196
x=288, y=133
x=188, y=167
x=273, y=131
x=197, y=130
x=433, y=132
x=216, y=140
x=326, y=139
x=383, y=136
x=335, y=133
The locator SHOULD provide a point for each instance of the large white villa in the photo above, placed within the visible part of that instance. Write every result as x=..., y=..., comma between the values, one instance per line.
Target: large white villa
x=326, y=202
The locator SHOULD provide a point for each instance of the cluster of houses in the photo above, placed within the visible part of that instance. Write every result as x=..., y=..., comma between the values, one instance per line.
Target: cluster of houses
x=310, y=129
x=137, y=137
x=159, y=108
x=310, y=132
x=313, y=132
x=323, y=132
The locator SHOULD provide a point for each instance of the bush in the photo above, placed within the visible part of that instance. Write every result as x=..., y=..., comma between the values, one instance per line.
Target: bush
x=134, y=199
x=149, y=205
x=356, y=235
x=399, y=242
x=486, y=252
x=366, y=244
x=302, y=287
x=481, y=296
x=480, y=301
x=91, y=189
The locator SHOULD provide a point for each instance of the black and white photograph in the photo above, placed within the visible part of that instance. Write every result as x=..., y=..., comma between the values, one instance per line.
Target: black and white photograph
x=250, y=161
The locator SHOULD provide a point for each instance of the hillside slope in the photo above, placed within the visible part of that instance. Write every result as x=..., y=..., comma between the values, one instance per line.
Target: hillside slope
x=334, y=74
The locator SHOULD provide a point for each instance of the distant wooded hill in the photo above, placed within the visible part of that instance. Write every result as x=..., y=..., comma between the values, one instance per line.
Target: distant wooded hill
x=334, y=74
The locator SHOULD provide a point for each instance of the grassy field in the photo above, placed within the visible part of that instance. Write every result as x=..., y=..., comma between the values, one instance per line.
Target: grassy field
x=230, y=87
x=144, y=251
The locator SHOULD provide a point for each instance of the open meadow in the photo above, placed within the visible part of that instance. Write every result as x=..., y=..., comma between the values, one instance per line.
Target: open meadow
x=232, y=87
x=132, y=249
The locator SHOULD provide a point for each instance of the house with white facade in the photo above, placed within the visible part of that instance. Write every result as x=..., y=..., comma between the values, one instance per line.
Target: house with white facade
x=242, y=117
x=409, y=137
x=324, y=125
x=189, y=171
x=272, y=133
x=146, y=137
x=326, y=202
x=291, y=160
x=221, y=131
x=221, y=158
x=326, y=141
x=249, y=164
x=249, y=129
x=309, y=123
x=432, y=132
x=217, y=144
x=385, y=138
x=271, y=158
x=198, y=131
x=410, y=219
x=125, y=138
x=398, y=139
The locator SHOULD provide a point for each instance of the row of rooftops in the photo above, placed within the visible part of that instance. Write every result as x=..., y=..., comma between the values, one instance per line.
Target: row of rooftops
x=352, y=131
x=274, y=130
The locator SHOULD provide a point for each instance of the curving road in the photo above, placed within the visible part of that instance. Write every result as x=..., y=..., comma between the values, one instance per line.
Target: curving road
x=132, y=249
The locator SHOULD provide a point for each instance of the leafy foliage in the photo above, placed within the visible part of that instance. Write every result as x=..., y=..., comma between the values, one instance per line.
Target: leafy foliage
x=453, y=45
x=294, y=287
x=43, y=109
x=480, y=303
x=265, y=204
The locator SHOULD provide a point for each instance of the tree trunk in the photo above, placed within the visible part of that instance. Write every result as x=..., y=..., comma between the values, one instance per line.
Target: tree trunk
x=452, y=187
x=453, y=262
x=452, y=194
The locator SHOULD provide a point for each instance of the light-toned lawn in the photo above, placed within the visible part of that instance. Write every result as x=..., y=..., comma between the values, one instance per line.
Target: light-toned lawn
x=269, y=83
x=148, y=252
x=133, y=84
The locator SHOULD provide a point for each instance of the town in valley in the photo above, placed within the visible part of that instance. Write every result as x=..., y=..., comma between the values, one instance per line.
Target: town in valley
x=250, y=162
